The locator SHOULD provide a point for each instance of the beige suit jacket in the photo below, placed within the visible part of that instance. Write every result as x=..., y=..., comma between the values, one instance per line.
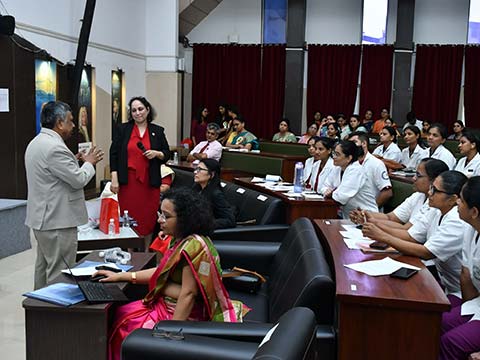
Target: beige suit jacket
x=55, y=184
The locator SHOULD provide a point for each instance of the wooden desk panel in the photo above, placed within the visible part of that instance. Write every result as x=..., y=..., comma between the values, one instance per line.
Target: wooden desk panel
x=312, y=209
x=382, y=317
x=227, y=174
x=77, y=332
x=286, y=170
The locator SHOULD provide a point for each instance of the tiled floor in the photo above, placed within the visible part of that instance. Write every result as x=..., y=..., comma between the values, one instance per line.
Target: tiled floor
x=16, y=278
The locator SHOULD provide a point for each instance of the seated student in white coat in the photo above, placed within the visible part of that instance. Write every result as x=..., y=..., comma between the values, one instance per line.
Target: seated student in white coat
x=461, y=325
x=437, y=236
x=468, y=145
x=323, y=165
x=437, y=134
x=388, y=149
x=346, y=182
x=378, y=182
x=308, y=167
x=414, y=152
x=414, y=206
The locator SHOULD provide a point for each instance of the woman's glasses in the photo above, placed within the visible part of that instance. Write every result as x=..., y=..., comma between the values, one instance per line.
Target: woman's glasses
x=434, y=190
x=198, y=169
x=164, y=217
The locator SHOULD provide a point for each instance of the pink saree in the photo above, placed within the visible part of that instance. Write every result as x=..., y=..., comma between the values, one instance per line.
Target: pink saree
x=214, y=303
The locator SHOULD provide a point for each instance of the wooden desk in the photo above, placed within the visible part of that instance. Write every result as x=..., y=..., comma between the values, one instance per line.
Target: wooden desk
x=227, y=174
x=401, y=178
x=296, y=208
x=382, y=317
x=96, y=239
x=262, y=163
x=76, y=332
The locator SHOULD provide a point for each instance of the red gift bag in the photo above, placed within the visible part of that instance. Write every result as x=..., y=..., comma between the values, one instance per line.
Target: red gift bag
x=109, y=209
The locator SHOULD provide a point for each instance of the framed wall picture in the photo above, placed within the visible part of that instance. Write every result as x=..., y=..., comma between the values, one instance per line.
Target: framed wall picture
x=117, y=106
x=45, y=86
x=84, y=116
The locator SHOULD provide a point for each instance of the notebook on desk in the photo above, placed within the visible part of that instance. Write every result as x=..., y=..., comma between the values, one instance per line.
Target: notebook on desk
x=97, y=292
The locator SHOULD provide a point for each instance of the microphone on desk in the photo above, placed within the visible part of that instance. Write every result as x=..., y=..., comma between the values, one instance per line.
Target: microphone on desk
x=141, y=146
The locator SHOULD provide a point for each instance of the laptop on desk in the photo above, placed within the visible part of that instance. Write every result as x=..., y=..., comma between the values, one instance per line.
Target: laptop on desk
x=97, y=292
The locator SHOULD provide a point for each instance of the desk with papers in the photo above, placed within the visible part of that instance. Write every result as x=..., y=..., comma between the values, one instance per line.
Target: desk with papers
x=380, y=317
x=309, y=205
x=78, y=332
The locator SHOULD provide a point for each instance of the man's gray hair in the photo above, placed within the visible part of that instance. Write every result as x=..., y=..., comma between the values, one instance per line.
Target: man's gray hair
x=213, y=126
x=53, y=111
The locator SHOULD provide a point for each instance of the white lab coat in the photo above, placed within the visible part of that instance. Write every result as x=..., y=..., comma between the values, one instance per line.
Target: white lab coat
x=392, y=152
x=442, y=153
x=327, y=169
x=472, y=168
x=349, y=189
x=411, y=162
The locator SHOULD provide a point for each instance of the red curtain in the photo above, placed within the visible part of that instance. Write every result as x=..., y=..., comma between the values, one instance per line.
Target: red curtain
x=332, y=78
x=272, y=90
x=436, y=89
x=376, y=78
x=235, y=74
x=472, y=86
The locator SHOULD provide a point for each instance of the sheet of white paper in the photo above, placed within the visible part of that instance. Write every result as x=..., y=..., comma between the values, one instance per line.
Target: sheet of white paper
x=4, y=106
x=312, y=196
x=257, y=179
x=386, y=266
x=349, y=226
x=272, y=178
x=353, y=233
x=353, y=244
x=87, y=271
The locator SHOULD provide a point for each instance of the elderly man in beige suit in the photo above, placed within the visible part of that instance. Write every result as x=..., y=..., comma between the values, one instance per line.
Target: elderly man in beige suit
x=56, y=203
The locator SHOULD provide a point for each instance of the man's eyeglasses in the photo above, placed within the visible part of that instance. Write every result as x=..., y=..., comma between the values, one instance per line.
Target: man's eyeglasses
x=198, y=169
x=434, y=190
x=162, y=216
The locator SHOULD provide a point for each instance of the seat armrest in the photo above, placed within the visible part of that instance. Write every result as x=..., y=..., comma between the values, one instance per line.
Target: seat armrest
x=325, y=342
x=250, y=255
x=264, y=233
x=253, y=332
x=140, y=344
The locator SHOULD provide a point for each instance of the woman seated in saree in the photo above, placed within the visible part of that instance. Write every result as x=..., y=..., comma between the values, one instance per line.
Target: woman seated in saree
x=244, y=139
x=187, y=283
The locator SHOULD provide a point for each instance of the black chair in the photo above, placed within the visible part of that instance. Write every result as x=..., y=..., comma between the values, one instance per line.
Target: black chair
x=297, y=274
x=290, y=339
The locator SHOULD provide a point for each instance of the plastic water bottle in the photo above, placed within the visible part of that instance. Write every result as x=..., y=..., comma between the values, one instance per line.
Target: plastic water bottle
x=175, y=158
x=126, y=220
x=111, y=228
x=298, y=178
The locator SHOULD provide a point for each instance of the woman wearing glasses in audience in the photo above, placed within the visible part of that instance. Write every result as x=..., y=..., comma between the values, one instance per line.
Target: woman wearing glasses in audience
x=437, y=134
x=346, y=181
x=312, y=131
x=461, y=325
x=468, y=146
x=405, y=214
x=180, y=287
x=414, y=152
x=437, y=235
x=388, y=149
x=207, y=184
x=323, y=164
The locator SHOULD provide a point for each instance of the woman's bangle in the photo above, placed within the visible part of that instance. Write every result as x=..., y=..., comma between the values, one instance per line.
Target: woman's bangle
x=134, y=277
